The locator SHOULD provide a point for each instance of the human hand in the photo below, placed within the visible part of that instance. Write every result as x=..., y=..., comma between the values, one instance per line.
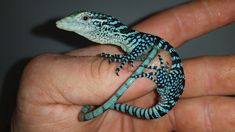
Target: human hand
x=54, y=87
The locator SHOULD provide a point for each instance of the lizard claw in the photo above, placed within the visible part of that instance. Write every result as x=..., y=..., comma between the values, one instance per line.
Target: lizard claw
x=117, y=71
x=132, y=63
x=102, y=54
x=110, y=60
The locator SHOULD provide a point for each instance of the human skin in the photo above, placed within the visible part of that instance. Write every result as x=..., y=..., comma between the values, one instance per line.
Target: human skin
x=55, y=86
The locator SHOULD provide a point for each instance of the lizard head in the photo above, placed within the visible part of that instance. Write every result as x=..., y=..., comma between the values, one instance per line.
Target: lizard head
x=97, y=27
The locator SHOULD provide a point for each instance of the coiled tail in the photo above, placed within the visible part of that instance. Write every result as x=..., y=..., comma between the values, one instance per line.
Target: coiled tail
x=169, y=90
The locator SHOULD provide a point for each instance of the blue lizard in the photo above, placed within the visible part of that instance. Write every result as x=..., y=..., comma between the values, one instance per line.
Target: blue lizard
x=105, y=29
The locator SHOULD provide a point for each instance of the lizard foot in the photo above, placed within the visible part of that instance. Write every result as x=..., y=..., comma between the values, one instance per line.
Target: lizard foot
x=112, y=58
x=158, y=77
x=123, y=59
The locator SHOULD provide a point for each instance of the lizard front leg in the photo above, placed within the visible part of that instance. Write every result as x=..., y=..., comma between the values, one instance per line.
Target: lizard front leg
x=128, y=58
x=113, y=58
x=123, y=59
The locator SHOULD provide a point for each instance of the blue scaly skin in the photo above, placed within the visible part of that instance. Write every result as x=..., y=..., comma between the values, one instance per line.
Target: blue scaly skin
x=105, y=29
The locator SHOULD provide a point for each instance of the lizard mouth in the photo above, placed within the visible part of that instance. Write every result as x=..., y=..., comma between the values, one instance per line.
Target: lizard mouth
x=64, y=24
x=59, y=25
x=69, y=24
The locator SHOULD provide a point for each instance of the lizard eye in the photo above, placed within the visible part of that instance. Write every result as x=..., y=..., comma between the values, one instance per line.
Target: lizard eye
x=85, y=18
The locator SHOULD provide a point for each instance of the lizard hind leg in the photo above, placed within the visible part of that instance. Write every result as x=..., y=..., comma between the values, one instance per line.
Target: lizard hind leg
x=158, y=75
x=162, y=66
x=149, y=75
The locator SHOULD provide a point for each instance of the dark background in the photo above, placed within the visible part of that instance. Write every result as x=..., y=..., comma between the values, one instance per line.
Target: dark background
x=27, y=28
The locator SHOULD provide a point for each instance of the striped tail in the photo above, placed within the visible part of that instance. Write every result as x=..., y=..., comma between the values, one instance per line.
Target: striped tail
x=169, y=94
x=154, y=112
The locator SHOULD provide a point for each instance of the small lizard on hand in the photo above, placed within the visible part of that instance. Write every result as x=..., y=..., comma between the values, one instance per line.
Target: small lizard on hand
x=105, y=29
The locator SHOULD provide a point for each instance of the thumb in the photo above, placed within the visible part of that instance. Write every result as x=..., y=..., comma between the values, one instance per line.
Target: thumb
x=77, y=79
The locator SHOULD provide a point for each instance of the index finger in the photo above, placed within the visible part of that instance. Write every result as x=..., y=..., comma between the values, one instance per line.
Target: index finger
x=181, y=23
x=190, y=20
